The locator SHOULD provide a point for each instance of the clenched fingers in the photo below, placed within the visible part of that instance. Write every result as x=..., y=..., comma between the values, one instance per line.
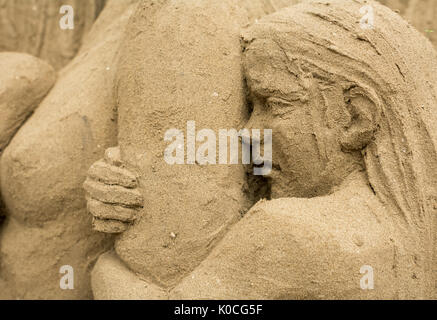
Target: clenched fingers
x=109, y=226
x=112, y=175
x=106, y=211
x=113, y=194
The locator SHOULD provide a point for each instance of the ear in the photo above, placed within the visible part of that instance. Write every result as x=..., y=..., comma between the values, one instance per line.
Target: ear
x=362, y=125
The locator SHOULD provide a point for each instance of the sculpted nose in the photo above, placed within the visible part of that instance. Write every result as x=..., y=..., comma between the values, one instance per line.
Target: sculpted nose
x=256, y=120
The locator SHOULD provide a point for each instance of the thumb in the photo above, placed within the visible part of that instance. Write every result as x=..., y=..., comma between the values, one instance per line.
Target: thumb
x=112, y=156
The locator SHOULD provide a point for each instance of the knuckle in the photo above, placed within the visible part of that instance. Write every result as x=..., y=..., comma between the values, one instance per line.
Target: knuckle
x=113, y=212
x=112, y=175
x=109, y=226
x=114, y=194
x=112, y=156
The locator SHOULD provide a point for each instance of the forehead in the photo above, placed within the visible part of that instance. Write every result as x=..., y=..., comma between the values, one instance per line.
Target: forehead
x=269, y=71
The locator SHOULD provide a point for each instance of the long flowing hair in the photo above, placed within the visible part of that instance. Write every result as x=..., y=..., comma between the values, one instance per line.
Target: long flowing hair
x=397, y=67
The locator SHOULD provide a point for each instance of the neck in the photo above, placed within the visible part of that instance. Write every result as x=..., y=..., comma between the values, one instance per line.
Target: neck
x=357, y=179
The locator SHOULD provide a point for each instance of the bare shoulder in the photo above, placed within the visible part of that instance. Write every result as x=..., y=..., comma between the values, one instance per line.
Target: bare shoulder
x=345, y=220
x=298, y=249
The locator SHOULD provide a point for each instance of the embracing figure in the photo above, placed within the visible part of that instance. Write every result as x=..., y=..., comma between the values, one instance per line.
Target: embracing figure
x=354, y=179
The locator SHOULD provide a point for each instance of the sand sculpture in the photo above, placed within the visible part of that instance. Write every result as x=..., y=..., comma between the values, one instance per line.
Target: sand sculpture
x=24, y=82
x=49, y=222
x=354, y=184
x=354, y=180
x=199, y=63
x=44, y=166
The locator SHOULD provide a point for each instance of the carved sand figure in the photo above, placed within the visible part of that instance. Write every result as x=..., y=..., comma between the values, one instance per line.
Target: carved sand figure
x=32, y=26
x=24, y=82
x=353, y=114
x=34, y=255
x=44, y=166
x=181, y=61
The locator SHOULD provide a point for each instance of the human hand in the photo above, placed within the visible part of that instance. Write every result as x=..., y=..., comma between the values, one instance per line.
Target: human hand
x=112, y=195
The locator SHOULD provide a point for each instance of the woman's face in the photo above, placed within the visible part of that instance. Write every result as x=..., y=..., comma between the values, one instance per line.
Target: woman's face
x=289, y=101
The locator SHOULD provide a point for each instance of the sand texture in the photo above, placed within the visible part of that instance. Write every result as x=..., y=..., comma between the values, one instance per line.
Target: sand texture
x=32, y=26
x=84, y=181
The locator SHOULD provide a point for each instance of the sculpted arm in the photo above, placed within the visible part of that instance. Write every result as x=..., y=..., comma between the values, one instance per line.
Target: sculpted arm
x=309, y=242
x=24, y=82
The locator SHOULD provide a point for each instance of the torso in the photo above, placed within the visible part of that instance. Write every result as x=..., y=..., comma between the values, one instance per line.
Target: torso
x=182, y=62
